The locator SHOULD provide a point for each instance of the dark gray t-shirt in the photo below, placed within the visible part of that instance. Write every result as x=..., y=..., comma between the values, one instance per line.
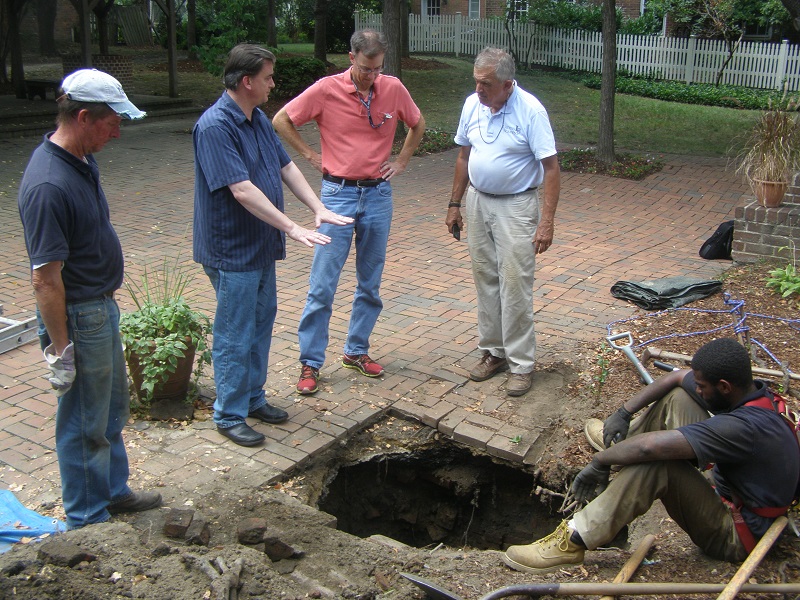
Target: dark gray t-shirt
x=755, y=457
x=65, y=216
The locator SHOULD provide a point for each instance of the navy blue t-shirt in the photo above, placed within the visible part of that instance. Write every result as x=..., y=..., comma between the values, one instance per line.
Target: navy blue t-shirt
x=65, y=217
x=755, y=457
x=230, y=149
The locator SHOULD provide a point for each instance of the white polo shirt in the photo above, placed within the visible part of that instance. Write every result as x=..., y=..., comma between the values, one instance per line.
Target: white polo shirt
x=507, y=146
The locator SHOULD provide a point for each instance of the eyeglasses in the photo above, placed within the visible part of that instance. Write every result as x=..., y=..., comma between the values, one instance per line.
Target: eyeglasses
x=366, y=71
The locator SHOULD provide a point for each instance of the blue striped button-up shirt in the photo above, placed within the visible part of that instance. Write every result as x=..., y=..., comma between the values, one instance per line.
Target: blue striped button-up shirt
x=229, y=149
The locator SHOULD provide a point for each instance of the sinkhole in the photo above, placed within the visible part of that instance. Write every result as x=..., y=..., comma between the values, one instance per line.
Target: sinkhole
x=442, y=494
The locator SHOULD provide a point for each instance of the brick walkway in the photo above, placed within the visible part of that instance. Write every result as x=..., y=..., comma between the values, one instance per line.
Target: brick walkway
x=606, y=230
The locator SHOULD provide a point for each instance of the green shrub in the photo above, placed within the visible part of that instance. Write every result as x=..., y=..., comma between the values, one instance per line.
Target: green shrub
x=294, y=74
x=728, y=96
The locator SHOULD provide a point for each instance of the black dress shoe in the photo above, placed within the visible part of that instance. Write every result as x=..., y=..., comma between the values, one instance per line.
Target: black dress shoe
x=242, y=434
x=270, y=414
x=136, y=502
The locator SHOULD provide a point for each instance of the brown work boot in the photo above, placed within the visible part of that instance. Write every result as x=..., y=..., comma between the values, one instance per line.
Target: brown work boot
x=546, y=555
x=594, y=433
x=518, y=383
x=487, y=366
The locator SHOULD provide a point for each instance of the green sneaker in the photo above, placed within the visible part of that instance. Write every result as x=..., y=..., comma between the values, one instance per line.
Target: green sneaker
x=546, y=555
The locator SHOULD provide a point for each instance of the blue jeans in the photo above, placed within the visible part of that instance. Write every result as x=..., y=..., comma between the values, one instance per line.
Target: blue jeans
x=371, y=209
x=247, y=302
x=90, y=416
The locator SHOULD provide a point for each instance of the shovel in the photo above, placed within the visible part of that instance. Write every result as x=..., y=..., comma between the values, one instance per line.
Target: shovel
x=535, y=590
x=627, y=350
x=727, y=592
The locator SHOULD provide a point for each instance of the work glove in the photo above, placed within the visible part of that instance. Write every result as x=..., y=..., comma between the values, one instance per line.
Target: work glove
x=615, y=427
x=62, y=368
x=591, y=481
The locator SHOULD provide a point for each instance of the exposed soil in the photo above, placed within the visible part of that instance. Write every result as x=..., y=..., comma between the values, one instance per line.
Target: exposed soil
x=133, y=559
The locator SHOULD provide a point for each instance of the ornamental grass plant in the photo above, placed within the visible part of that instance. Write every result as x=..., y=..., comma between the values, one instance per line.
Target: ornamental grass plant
x=163, y=329
x=771, y=150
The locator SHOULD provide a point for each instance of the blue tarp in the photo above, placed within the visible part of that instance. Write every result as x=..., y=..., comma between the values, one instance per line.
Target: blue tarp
x=17, y=522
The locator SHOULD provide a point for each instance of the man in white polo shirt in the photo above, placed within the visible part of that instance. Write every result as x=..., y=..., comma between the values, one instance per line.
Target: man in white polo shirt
x=508, y=167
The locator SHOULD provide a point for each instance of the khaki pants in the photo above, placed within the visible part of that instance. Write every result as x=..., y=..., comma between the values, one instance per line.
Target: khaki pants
x=683, y=490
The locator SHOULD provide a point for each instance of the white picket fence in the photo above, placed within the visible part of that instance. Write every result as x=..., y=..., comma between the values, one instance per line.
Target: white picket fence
x=693, y=60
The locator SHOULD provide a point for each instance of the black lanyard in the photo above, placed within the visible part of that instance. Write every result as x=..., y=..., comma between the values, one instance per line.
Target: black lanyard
x=366, y=103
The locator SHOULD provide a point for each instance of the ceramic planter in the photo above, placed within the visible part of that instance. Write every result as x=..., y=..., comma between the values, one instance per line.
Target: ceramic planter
x=769, y=193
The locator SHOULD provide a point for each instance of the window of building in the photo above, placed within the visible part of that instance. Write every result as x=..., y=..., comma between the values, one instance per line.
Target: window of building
x=433, y=8
x=474, y=9
x=517, y=8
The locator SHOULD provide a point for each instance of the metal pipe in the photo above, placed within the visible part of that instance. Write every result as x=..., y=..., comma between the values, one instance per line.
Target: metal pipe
x=656, y=353
x=536, y=590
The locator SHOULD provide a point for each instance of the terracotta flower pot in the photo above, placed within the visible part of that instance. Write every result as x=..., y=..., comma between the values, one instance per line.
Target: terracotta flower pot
x=176, y=387
x=769, y=193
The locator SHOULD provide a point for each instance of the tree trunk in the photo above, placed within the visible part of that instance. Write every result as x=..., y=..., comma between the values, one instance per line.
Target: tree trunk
x=605, y=142
x=46, y=17
x=392, y=29
x=191, y=28
x=12, y=45
x=101, y=10
x=320, y=24
x=793, y=6
x=404, y=10
x=272, y=31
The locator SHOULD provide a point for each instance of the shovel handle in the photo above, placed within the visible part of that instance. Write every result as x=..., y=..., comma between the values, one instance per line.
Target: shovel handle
x=630, y=566
x=749, y=565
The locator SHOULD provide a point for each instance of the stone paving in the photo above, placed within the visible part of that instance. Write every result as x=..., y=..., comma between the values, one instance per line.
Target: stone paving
x=606, y=230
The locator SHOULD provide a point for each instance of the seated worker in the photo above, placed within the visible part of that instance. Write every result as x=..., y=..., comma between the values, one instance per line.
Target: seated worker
x=757, y=466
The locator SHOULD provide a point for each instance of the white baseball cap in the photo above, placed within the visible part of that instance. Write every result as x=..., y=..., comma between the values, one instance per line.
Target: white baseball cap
x=91, y=85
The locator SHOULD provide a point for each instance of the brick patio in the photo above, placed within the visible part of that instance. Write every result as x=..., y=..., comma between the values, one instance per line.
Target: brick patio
x=606, y=230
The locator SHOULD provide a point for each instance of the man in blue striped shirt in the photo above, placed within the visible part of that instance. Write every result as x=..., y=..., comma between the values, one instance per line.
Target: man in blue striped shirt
x=239, y=233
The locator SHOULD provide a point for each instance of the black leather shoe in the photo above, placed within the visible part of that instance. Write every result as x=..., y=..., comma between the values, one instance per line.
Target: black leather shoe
x=270, y=414
x=136, y=502
x=242, y=434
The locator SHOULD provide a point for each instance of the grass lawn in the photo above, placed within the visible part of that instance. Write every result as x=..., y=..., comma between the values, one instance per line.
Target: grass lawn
x=642, y=125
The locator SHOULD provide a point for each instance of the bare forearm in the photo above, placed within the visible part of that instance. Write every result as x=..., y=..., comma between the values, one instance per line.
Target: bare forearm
x=257, y=203
x=647, y=447
x=284, y=126
x=51, y=300
x=655, y=391
x=461, y=175
x=411, y=143
x=552, y=189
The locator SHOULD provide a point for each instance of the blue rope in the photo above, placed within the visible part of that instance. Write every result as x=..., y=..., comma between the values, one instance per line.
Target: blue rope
x=740, y=327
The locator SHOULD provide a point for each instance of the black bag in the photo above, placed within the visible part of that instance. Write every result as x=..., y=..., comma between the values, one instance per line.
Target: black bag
x=719, y=244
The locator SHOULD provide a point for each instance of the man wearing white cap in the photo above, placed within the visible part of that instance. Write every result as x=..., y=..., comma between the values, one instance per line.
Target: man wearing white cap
x=77, y=265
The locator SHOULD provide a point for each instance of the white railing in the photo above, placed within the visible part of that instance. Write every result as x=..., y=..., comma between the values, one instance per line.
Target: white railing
x=693, y=60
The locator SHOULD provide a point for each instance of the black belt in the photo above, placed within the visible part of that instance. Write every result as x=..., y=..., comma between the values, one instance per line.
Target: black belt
x=353, y=182
x=530, y=189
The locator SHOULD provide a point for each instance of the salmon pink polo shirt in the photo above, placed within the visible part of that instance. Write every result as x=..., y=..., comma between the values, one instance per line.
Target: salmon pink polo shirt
x=351, y=147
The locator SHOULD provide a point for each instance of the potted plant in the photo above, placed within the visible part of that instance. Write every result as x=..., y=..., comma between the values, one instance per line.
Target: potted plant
x=162, y=337
x=771, y=152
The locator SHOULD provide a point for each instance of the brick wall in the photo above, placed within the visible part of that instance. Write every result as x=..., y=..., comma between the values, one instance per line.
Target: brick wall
x=120, y=67
x=760, y=232
x=66, y=20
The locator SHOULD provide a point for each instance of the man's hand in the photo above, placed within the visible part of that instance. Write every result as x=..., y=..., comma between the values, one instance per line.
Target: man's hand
x=454, y=218
x=544, y=237
x=328, y=216
x=615, y=428
x=309, y=237
x=62, y=368
x=591, y=481
x=391, y=168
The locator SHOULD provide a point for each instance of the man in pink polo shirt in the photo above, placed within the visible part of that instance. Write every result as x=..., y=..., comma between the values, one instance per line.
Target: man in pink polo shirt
x=357, y=113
